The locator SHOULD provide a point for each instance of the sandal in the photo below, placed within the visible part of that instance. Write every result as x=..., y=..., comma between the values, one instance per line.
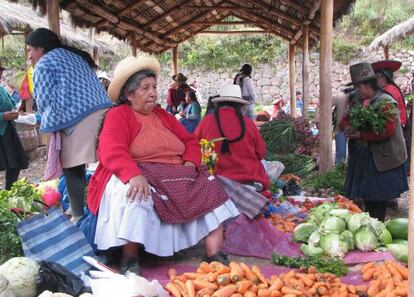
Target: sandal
x=131, y=265
x=219, y=257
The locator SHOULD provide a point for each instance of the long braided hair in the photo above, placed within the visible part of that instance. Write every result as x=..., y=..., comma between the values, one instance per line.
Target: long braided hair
x=225, y=146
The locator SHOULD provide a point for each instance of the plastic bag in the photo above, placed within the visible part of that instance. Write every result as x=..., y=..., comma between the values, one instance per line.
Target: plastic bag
x=28, y=119
x=274, y=169
x=56, y=278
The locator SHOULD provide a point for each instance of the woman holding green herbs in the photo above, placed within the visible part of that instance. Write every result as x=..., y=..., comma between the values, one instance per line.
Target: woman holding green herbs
x=376, y=171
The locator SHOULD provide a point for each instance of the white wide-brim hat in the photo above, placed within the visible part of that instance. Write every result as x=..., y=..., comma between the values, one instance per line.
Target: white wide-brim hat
x=128, y=67
x=230, y=93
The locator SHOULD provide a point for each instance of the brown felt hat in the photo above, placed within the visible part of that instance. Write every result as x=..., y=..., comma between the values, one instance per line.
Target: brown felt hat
x=361, y=72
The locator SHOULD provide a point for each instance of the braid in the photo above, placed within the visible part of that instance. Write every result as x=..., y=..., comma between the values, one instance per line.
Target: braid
x=225, y=147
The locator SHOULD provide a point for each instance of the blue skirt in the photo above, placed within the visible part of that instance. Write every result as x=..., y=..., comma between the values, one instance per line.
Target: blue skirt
x=364, y=181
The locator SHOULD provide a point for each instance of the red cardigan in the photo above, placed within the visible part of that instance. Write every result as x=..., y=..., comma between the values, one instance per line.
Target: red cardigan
x=396, y=94
x=243, y=164
x=119, y=131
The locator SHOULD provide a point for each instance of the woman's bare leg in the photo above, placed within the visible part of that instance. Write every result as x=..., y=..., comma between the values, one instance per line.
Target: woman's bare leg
x=130, y=251
x=214, y=241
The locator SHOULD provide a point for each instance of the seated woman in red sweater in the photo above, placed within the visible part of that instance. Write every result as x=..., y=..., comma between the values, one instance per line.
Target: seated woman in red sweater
x=240, y=154
x=147, y=188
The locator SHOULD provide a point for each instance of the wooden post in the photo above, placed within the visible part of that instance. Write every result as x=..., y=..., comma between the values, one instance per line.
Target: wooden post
x=386, y=53
x=175, y=60
x=53, y=15
x=2, y=44
x=411, y=223
x=325, y=85
x=133, y=50
x=95, y=55
x=292, y=80
x=305, y=70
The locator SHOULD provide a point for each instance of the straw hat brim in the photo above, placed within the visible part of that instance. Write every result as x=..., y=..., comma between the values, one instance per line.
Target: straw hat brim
x=230, y=99
x=128, y=67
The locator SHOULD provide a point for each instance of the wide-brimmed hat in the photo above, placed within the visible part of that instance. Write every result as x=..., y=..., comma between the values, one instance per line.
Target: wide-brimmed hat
x=360, y=73
x=230, y=93
x=128, y=67
x=391, y=65
x=277, y=101
x=179, y=77
x=103, y=75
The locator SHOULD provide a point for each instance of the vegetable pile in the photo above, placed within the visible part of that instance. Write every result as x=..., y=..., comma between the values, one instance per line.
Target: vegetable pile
x=387, y=279
x=328, y=183
x=300, y=165
x=284, y=223
x=334, y=231
x=240, y=280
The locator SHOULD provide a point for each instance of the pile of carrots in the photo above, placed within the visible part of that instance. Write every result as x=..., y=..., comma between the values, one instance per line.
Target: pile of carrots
x=240, y=280
x=345, y=203
x=284, y=223
x=388, y=279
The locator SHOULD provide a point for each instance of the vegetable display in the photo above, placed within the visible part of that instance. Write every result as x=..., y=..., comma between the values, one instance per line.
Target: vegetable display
x=238, y=279
x=284, y=223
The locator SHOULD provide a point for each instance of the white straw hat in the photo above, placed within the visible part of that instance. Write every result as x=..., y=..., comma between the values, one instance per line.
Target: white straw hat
x=128, y=67
x=230, y=93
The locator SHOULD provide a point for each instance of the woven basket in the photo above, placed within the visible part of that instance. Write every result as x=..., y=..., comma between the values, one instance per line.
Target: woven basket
x=28, y=136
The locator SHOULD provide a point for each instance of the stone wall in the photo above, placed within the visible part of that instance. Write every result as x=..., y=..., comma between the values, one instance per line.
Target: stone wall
x=271, y=80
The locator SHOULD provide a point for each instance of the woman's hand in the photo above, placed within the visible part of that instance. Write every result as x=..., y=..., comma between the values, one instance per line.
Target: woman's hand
x=10, y=115
x=139, y=188
x=190, y=164
x=352, y=134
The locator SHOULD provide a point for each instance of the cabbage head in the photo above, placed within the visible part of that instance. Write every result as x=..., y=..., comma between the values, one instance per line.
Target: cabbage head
x=314, y=238
x=22, y=274
x=340, y=213
x=332, y=225
x=348, y=237
x=318, y=214
x=365, y=239
x=333, y=246
x=399, y=251
x=309, y=250
x=385, y=237
x=377, y=226
x=303, y=231
x=358, y=220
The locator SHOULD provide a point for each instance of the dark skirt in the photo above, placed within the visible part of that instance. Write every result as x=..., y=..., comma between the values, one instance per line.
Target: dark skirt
x=12, y=154
x=364, y=181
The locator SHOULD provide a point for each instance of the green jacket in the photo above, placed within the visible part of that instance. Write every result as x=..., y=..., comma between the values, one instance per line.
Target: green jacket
x=6, y=104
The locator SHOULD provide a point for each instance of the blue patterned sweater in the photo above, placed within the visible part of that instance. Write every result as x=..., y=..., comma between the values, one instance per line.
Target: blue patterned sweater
x=66, y=90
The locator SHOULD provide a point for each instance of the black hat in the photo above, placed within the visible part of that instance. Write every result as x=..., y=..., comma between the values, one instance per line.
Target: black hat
x=179, y=77
x=246, y=69
x=361, y=72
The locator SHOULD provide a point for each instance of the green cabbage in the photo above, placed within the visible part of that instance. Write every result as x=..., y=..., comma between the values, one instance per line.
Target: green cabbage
x=309, y=250
x=385, y=237
x=332, y=225
x=358, y=220
x=303, y=231
x=377, y=226
x=314, y=238
x=340, y=213
x=398, y=228
x=399, y=241
x=365, y=239
x=333, y=246
x=318, y=214
x=21, y=273
x=348, y=237
x=399, y=251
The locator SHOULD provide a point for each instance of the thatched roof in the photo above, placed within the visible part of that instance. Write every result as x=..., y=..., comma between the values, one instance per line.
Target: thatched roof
x=397, y=32
x=157, y=25
x=15, y=17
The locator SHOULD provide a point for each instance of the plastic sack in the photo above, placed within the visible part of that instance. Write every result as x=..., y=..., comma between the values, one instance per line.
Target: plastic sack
x=27, y=119
x=274, y=169
x=56, y=278
x=87, y=224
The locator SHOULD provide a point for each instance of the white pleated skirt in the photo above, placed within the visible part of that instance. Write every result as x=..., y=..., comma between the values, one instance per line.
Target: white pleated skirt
x=121, y=221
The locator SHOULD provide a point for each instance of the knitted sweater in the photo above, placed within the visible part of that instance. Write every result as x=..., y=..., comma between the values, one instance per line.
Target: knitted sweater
x=6, y=104
x=66, y=89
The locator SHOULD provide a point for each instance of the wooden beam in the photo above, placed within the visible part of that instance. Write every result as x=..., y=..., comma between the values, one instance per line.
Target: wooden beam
x=292, y=80
x=95, y=55
x=224, y=23
x=235, y=32
x=386, y=53
x=123, y=24
x=411, y=223
x=220, y=7
x=53, y=15
x=168, y=12
x=132, y=7
x=325, y=86
x=305, y=70
x=174, y=60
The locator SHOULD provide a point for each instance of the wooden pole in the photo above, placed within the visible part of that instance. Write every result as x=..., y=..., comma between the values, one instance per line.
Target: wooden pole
x=53, y=15
x=292, y=80
x=386, y=53
x=175, y=60
x=305, y=70
x=411, y=221
x=95, y=55
x=325, y=85
x=133, y=50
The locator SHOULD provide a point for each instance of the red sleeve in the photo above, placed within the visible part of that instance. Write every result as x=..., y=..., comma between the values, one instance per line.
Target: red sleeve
x=395, y=93
x=344, y=123
x=114, y=141
x=170, y=94
x=390, y=128
x=259, y=144
x=192, y=147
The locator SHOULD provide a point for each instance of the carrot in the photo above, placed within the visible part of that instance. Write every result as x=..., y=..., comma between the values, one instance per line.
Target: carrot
x=322, y=291
x=173, y=290
x=201, y=284
x=226, y=291
x=275, y=293
x=223, y=279
x=262, y=286
x=172, y=273
x=401, y=291
x=391, y=268
x=249, y=294
x=367, y=275
x=237, y=295
x=254, y=288
x=236, y=272
x=204, y=266
x=181, y=278
x=189, y=285
x=193, y=275
x=205, y=291
x=248, y=273
x=277, y=284
x=212, y=276
x=401, y=269
x=306, y=280
x=223, y=269
x=259, y=274
x=243, y=286
x=286, y=290
x=214, y=265
x=289, y=295
x=264, y=293
x=181, y=286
